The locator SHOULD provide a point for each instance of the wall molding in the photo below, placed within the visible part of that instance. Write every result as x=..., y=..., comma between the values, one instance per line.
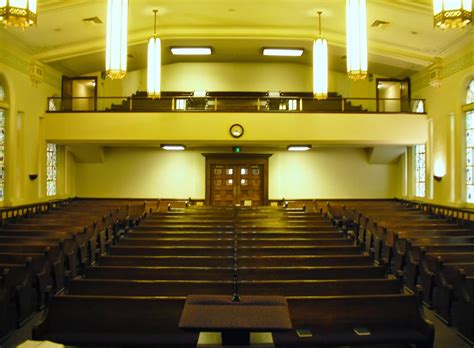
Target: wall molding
x=422, y=79
x=51, y=76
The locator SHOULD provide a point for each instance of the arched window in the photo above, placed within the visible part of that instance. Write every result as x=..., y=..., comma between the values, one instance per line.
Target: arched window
x=3, y=98
x=420, y=170
x=470, y=145
x=51, y=164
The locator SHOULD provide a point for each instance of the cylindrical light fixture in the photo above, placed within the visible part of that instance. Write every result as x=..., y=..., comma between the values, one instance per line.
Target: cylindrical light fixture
x=116, y=50
x=452, y=13
x=320, y=65
x=18, y=13
x=154, y=65
x=356, y=32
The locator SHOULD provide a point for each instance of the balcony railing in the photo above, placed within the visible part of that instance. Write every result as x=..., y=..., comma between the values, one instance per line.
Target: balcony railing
x=236, y=103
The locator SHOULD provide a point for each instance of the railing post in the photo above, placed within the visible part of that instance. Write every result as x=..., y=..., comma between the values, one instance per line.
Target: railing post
x=301, y=104
x=258, y=104
x=215, y=104
x=172, y=104
x=343, y=100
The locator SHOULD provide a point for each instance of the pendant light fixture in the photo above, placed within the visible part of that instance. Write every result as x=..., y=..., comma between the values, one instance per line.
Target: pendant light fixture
x=116, y=49
x=320, y=65
x=452, y=13
x=18, y=13
x=356, y=32
x=154, y=65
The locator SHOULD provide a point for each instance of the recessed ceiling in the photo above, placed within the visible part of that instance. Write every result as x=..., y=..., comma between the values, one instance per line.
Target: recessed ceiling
x=238, y=30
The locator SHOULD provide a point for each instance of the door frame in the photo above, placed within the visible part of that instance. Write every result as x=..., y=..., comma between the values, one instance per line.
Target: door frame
x=235, y=159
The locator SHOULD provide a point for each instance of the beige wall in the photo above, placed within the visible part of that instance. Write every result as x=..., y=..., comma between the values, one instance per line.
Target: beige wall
x=26, y=104
x=320, y=173
x=444, y=106
x=237, y=77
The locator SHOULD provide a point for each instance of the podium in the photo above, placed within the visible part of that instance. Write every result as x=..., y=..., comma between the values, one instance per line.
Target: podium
x=235, y=320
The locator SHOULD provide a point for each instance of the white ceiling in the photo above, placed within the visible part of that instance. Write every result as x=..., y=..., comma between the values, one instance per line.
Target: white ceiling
x=238, y=30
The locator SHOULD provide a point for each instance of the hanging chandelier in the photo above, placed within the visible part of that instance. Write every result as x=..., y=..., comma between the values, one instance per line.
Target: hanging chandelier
x=154, y=65
x=18, y=13
x=452, y=13
x=356, y=32
x=116, y=49
x=320, y=65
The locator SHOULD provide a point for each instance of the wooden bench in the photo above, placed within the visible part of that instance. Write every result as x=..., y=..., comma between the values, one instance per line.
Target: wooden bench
x=178, y=261
x=159, y=273
x=391, y=319
x=16, y=295
x=413, y=257
x=304, y=260
x=130, y=287
x=430, y=264
x=102, y=320
x=300, y=250
x=448, y=277
x=55, y=256
x=172, y=250
x=301, y=273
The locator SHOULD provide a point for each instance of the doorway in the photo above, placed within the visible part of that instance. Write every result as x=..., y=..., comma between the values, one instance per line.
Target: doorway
x=236, y=180
x=393, y=95
x=79, y=93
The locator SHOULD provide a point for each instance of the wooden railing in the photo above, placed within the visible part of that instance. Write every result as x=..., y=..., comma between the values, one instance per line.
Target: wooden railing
x=237, y=103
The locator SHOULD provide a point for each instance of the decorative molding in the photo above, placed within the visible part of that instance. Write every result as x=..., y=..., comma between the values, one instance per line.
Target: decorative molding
x=458, y=65
x=51, y=76
x=422, y=79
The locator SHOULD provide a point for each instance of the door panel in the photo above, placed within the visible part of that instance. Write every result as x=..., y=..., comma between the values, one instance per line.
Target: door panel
x=237, y=182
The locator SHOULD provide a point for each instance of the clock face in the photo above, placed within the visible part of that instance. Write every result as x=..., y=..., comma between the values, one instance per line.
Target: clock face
x=236, y=130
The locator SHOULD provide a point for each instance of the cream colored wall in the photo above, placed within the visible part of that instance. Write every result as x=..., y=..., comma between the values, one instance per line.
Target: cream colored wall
x=331, y=173
x=321, y=173
x=26, y=102
x=447, y=146
x=237, y=77
x=143, y=173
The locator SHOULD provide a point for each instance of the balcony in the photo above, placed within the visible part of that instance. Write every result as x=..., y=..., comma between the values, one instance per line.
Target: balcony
x=248, y=102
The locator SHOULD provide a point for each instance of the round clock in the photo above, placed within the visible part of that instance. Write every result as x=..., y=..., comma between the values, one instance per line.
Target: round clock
x=236, y=130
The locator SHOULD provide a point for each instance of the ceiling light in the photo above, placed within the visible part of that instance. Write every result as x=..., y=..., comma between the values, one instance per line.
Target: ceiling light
x=320, y=65
x=116, y=48
x=191, y=51
x=283, y=52
x=452, y=13
x=299, y=147
x=154, y=65
x=14, y=13
x=170, y=147
x=356, y=32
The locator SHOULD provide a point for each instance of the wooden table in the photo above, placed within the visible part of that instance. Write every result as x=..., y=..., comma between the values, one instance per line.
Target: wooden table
x=235, y=320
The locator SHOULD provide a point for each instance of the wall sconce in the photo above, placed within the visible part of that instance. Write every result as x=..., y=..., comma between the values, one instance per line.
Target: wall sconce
x=439, y=169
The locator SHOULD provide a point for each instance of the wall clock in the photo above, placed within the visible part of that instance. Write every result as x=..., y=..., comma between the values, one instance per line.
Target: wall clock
x=236, y=130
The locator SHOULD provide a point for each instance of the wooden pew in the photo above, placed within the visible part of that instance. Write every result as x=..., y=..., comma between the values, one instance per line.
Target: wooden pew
x=413, y=257
x=299, y=250
x=16, y=295
x=391, y=319
x=304, y=260
x=119, y=287
x=449, y=276
x=172, y=250
x=55, y=255
x=301, y=273
x=386, y=240
x=430, y=264
x=169, y=261
x=130, y=287
x=464, y=285
x=104, y=321
x=159, y=273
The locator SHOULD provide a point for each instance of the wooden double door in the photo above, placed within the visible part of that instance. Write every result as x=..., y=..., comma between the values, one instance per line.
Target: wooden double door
x=237, y=180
